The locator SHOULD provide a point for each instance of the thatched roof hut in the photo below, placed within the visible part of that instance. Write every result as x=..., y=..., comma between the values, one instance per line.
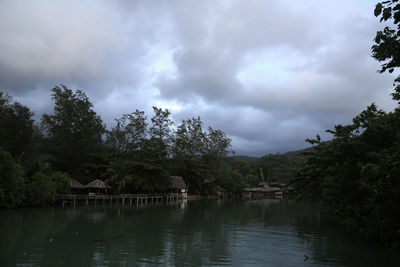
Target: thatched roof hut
x=97, y=184
x=177, y=186
x=177, y=182
x=75, y=184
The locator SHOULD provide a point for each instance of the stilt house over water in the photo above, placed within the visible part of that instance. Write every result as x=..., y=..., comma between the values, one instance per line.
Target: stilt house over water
x=76, y=187
x=97, y=186
x=178, y=186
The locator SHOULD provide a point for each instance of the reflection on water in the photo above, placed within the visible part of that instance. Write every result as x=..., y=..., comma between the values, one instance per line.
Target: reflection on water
x=198, y=233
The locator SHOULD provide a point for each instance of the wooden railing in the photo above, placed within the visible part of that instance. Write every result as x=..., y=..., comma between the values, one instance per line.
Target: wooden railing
x=121, y=196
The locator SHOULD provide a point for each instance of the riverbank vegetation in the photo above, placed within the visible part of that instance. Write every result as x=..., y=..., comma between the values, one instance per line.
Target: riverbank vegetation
x=38, y=159
x=137, y=155
x=357, y=172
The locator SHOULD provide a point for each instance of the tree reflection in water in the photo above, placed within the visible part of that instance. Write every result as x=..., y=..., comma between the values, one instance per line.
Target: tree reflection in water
x=196, y=233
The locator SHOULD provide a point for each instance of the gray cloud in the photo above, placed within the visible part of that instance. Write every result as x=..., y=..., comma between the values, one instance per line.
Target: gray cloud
x=268, y=73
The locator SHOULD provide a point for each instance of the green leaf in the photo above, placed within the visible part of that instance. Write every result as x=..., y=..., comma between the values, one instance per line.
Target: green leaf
x=378, y=9
x=387, y=13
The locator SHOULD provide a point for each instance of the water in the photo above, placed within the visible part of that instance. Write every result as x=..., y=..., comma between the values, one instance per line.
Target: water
x=198, y=233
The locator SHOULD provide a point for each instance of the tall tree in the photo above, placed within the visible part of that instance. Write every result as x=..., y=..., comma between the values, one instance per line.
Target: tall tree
x=139, y=164
x=189, y=139
x=217, y=147
x=73, y=133
x=16, y=127
x=160, y=131
x=128, y=134
x=188, y=150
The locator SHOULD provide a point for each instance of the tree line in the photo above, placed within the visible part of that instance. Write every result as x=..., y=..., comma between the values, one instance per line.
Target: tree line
x=37, y=160
x=356, y=174
x=137, y=155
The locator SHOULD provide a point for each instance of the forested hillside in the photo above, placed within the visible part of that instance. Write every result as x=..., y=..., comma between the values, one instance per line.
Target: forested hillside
x=275, y=167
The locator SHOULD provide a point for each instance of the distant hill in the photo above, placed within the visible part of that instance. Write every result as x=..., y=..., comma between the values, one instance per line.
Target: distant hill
x=298, y=153
x=247, y=159
x=291, y=154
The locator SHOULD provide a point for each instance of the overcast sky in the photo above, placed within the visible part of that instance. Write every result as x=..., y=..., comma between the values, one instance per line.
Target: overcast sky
x=268, y=73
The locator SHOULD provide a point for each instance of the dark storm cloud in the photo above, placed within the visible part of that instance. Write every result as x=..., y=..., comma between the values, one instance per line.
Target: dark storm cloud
x=334, y=80
x=268, y=73
x=202, y=72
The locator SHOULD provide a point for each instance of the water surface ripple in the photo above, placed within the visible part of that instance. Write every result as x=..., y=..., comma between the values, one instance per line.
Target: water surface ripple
x=198, y=233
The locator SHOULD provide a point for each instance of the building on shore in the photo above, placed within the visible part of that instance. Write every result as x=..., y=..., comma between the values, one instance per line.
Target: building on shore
x=76, y=187
x=97, y=187
x=262, y=191
x=221, y=192
x=287, y=189
x=178, y=186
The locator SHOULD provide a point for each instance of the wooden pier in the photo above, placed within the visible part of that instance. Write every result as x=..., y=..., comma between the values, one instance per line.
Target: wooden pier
x=124, y=199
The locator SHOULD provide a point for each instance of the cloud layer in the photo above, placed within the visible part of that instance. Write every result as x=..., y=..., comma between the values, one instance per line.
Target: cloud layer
x=268, y=73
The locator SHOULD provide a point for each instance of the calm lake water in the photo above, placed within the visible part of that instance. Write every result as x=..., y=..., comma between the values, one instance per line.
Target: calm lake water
x=198, y=233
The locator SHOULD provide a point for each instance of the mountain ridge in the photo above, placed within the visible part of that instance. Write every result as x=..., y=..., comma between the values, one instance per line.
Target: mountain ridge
x=291, y=154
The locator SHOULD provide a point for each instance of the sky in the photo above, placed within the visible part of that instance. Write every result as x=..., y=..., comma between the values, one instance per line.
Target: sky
x=270, y=74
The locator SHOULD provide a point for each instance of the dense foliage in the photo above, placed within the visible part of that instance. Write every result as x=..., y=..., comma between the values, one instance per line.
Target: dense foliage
x=241, y=172
x=280, y=167
x=17, y=188
x=134, y=156
x=11, y=181
x=73, y=134
x=17, y=130
x=357, y=172
x=137, y=155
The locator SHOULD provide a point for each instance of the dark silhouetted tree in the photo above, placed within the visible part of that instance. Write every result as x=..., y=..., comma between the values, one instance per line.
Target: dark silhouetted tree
x=73, y=133
x=12, y=184
x=128, y=134
x=16, y=127
x=160, y=132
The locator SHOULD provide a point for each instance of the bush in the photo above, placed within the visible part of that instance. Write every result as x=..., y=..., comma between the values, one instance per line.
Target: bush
x=41, y=189
x=62, y=182
x=12, y=182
